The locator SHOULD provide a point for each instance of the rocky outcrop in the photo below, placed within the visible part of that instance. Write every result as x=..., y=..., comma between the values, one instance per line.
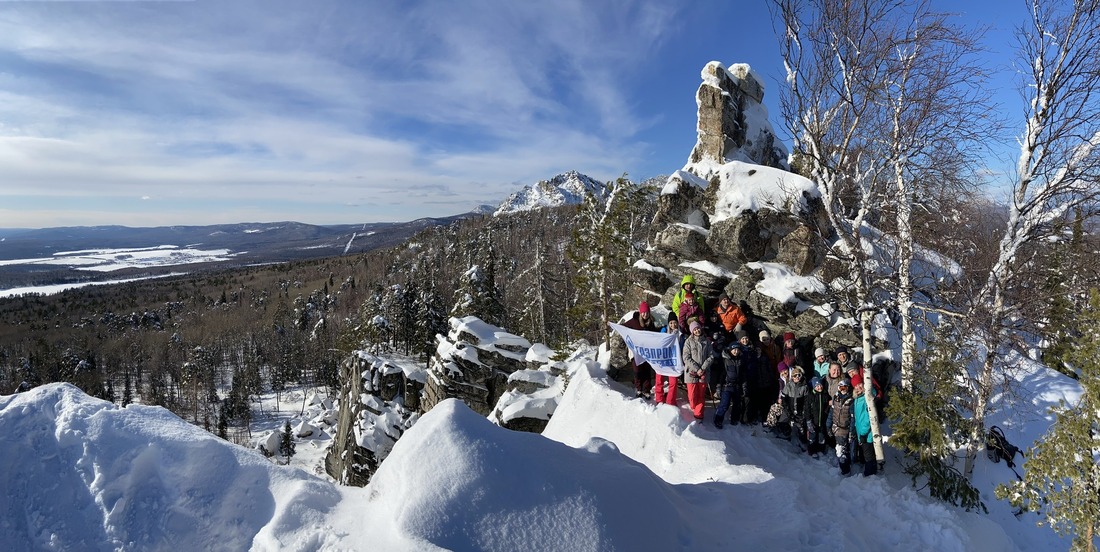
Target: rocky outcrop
x=472, y=363
x=727, y=101
x=736, y=220
x=377, y=404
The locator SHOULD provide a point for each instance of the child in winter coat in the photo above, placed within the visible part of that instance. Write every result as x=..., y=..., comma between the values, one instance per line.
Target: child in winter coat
x=817, y=415
x=690, y=311
x=698, y=357
x=659, y=394
x=734, y=388
x=842, y=423
x=687, y=285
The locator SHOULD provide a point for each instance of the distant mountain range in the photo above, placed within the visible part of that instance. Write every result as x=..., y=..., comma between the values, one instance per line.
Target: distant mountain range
x=564, y=189
x=268, y=241
x=31, y=257
x=44, y=256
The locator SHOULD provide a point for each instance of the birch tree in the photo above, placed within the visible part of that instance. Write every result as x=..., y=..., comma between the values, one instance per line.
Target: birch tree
x=938, y=121
x=1057, y=171
x=837, y=57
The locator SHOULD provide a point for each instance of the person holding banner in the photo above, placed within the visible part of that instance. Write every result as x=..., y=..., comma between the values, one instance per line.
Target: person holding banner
x=643, y=372
x=698, y=356
x=662, y=351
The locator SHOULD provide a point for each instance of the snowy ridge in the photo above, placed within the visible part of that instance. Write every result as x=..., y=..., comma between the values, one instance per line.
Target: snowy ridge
x=606, y=470
x=564, y=189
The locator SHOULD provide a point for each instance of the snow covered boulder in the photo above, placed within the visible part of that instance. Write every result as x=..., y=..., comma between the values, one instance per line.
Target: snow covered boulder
x=269, y=445
x=472, y=363
x=304, y=429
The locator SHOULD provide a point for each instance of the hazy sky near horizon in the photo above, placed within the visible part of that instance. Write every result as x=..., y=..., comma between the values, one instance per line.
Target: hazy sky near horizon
x=149, y=113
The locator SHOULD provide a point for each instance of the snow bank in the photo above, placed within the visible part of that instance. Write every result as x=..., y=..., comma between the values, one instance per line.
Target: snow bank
x=83, y=474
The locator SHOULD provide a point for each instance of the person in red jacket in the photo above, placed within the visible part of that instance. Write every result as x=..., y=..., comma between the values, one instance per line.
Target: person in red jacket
x=690, y=311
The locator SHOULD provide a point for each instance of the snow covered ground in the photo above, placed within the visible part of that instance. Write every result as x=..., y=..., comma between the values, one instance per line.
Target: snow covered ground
x=610, y=472
x=108, y=260
x=58, y=288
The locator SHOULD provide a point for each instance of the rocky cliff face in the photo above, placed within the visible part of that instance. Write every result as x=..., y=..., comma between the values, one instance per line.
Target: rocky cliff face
x=472, y=364
x=732, y=120
x=378, y=402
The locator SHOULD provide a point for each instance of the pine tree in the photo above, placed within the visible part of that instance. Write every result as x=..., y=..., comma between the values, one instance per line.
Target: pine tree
x=478, y=294
x=286, y=442
x=432, y=316
x=601, y=252
x=929, y=424
x=127, y=390
x=223, y=424
x=1062, y=473
x=1062, y=324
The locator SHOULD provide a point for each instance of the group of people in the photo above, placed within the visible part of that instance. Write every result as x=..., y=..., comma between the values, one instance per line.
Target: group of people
x=820, y=402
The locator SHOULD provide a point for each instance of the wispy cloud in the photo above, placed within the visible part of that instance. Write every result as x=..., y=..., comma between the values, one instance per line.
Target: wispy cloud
x=320, y=103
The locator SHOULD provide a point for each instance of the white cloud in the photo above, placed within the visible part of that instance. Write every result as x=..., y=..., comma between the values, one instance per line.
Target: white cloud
x=227, y=100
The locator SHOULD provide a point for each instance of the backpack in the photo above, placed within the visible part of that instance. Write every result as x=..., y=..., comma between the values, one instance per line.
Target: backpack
x=997, y=447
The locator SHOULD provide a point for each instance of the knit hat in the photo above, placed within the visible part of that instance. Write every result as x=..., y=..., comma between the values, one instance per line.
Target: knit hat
x=845, y=382
x=694, y=326
x=787, y=336
x=739, y=334
x=723, y=296
x=819, y=352
x=672, y=318
x=798, y=370
x=689, y=295
x=643, y=307
x=843, y=349
x=765, y=335
x=815, y=381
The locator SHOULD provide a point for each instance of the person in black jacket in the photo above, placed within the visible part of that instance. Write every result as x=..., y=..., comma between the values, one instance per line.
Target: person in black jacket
x=733, y=390
x=750, y=376
x=793, y=398
x=817, y=416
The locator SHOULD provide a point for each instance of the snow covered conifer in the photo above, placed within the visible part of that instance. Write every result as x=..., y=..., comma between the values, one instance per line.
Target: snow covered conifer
x=1062, y=473
x=286, y=442
x=601, y=254
x=929, y=424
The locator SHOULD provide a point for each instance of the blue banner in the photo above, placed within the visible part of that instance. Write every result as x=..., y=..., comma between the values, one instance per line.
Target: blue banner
x=660, y=350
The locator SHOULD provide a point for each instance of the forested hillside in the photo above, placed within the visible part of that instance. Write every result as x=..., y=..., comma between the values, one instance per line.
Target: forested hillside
x=202, y=344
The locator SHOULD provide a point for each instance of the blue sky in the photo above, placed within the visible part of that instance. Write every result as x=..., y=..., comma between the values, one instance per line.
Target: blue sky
x=163, y=113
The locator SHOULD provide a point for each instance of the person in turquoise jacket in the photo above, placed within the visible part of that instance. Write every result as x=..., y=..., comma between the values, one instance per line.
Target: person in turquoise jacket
x=862, y=425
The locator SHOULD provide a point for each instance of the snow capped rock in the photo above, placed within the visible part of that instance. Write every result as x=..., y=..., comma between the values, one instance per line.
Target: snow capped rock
x=564, y=189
